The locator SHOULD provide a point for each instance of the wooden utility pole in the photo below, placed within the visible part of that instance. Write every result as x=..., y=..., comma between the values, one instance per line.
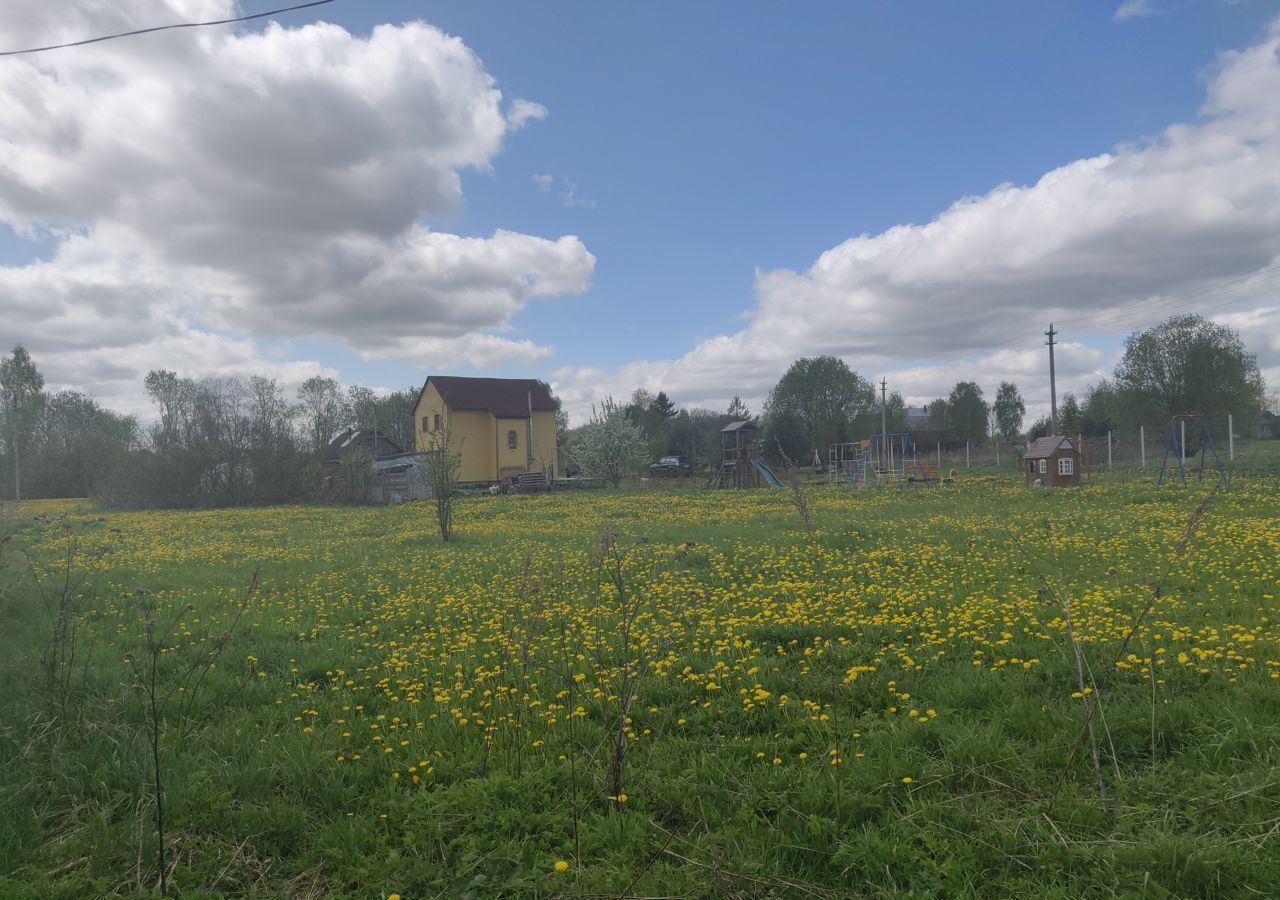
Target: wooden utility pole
x=884, y=420
x=1053, y=384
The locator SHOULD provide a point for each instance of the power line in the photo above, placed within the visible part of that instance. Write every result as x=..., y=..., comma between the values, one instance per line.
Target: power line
x=111, y=37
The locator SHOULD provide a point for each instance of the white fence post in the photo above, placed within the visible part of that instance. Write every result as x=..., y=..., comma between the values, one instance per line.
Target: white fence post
x=1182, y=448
x=966, y=455
x=1231, y=438
x=1142, y=444
x=939, y=459
x=1108, y=450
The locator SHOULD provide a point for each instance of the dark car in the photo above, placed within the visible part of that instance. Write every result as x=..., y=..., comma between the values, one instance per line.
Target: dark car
x=670, y=467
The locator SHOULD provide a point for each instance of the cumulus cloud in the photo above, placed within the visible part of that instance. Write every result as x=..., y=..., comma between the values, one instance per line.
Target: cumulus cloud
x=262, y=183
x=1108, y=243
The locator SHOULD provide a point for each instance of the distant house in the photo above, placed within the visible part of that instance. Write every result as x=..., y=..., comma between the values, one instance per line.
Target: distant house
x=925, y=435
x=917, y=417
x=501, y=427
x=1268, y=424
x=1052, y=462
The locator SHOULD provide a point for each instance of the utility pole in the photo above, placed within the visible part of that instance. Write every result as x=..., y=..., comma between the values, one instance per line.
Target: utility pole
x=884, y=419
x=1053, y=384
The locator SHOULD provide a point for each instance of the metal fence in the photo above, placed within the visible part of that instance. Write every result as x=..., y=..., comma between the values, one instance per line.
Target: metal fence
x=1135, y=449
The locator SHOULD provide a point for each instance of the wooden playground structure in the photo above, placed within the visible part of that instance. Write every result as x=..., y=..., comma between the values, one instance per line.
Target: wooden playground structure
x=740, y=463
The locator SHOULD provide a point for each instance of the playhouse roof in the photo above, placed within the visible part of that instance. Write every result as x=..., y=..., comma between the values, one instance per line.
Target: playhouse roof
x=744, y=425
x=1045, y=447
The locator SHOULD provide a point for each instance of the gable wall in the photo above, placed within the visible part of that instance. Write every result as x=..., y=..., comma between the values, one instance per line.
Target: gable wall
x=471, y=433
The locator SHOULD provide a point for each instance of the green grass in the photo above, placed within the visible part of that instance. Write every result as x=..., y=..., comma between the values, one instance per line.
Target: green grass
x=759, y=642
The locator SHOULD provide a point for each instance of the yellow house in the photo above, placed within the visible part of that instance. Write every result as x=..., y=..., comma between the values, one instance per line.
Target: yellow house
x=501, y=427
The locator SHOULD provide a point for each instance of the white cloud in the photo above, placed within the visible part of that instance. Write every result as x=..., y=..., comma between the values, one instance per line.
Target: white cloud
x=1134, y=9
x=1101, y=245
x=212, y=184
x=570, y=196
x=522, y=112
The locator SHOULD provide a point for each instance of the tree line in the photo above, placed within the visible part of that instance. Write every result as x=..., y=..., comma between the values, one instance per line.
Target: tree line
x=1186, y=365
x=213, y=442
x=226, y=441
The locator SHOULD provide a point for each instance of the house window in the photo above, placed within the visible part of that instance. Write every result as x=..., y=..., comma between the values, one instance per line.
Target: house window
x=1044, y=466
x=424, y=423
x=437, y=422
x=1066, y=466
x=511, y=439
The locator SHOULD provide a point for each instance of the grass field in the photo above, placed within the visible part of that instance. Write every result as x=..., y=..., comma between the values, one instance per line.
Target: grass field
x=715, y=701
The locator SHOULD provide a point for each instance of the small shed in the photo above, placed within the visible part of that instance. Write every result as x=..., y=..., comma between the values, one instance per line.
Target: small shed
x=367, y=466
x=1052, y=462
x=397, y=479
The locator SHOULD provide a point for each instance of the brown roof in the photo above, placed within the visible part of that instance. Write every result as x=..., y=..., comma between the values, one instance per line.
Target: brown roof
x=744, y=425
x=506, y=398
x=1045, y=447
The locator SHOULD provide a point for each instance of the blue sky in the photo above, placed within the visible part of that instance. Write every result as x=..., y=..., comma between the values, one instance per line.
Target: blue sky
x=698, y=150
x=727, y=137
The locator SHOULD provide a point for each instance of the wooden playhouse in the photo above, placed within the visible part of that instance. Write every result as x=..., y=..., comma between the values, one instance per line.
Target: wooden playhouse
x=1052, y=462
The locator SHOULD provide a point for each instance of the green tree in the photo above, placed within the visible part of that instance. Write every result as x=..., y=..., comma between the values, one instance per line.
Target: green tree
x=785, y=437
x=1069, y=415
x=1102, y=409
x=639, y=408
x=362, y=407
x=1188, y=365
x=76, y=446
x=22, y=389
x=738, y=411
x=895, y=415
x=441, y=463
x=825, y=396
x=695, y=433
x=940, y=417
x=967, y=412
x=322, y=411
x=1009, y=410
x=662, y=406
x=395, y=417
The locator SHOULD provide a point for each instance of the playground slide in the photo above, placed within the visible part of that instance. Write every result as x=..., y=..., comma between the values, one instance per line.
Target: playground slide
x=767, y=473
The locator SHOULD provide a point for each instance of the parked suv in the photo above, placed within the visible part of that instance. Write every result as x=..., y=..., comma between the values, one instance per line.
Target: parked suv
x=670, y=467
